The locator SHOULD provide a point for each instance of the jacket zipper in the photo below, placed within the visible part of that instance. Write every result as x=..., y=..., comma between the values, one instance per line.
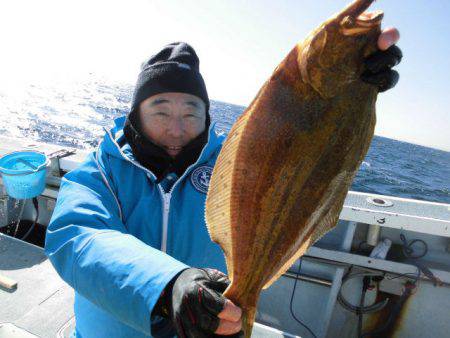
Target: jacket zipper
x=166, y=206
x=166, y=203
x=164, y=197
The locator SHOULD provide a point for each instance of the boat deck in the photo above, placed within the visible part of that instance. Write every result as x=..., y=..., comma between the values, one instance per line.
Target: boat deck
x=42, y=303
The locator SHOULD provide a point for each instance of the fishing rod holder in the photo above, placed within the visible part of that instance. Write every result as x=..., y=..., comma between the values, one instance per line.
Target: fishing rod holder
x=380, y=202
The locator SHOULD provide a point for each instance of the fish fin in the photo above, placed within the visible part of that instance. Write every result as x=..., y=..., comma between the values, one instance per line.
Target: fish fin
x=289, y=263
x=218, y=208
x=328, y=223
x=331, y=218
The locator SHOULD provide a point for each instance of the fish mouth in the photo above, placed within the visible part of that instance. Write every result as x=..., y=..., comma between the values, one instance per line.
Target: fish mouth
x=356, y=8
x=369, y=19
x=361, y=24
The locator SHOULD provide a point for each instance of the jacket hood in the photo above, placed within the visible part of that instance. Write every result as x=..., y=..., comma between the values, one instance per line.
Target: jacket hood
x=115, y=144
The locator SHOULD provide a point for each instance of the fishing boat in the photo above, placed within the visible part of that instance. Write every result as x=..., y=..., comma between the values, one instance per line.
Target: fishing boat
x=383, y=271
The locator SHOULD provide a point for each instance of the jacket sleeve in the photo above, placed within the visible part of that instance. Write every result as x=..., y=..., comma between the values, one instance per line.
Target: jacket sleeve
x=93, y=252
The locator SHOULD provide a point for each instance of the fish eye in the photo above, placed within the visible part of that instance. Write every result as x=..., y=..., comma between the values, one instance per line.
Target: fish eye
x=347, y=22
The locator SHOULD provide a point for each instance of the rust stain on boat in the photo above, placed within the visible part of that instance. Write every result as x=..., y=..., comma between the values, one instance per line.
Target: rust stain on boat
x=285, y=168
x=388, y=322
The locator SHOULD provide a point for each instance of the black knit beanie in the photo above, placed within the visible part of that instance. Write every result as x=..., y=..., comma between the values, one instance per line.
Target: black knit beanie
x=173, y=69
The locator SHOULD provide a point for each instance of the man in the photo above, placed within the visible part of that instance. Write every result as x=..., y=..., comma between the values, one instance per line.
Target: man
x=128, y=231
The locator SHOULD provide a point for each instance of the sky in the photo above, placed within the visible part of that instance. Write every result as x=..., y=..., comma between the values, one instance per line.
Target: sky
x=239, y=44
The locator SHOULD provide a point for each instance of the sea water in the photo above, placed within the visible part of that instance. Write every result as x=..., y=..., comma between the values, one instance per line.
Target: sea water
x=74, y=114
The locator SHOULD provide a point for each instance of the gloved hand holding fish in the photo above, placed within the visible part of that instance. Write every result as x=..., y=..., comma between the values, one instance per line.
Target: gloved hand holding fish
x=284, y=171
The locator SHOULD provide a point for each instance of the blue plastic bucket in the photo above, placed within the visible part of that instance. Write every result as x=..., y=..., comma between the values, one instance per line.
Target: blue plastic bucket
x=23, y=173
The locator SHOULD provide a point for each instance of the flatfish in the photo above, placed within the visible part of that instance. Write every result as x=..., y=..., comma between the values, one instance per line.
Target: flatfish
x=282, y=175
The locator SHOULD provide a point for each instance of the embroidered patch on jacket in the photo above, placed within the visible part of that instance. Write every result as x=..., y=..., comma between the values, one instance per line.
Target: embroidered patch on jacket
x=200, y=178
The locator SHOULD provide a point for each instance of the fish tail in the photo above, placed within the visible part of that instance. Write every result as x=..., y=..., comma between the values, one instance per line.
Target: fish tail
x=247, y=302
x=248, y=318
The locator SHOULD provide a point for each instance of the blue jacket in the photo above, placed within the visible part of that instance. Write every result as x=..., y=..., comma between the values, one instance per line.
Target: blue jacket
x=117, y=238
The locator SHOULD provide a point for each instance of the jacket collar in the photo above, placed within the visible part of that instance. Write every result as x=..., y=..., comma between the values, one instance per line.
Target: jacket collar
x=115, y=144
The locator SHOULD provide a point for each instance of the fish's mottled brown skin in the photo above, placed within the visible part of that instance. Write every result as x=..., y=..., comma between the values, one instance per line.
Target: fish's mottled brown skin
x=281, y=178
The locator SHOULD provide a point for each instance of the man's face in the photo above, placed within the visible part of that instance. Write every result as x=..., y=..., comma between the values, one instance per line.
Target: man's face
x=172, y=120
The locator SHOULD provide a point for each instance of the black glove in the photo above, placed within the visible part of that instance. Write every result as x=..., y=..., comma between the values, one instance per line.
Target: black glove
x=378, y=68
x=193, y=300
